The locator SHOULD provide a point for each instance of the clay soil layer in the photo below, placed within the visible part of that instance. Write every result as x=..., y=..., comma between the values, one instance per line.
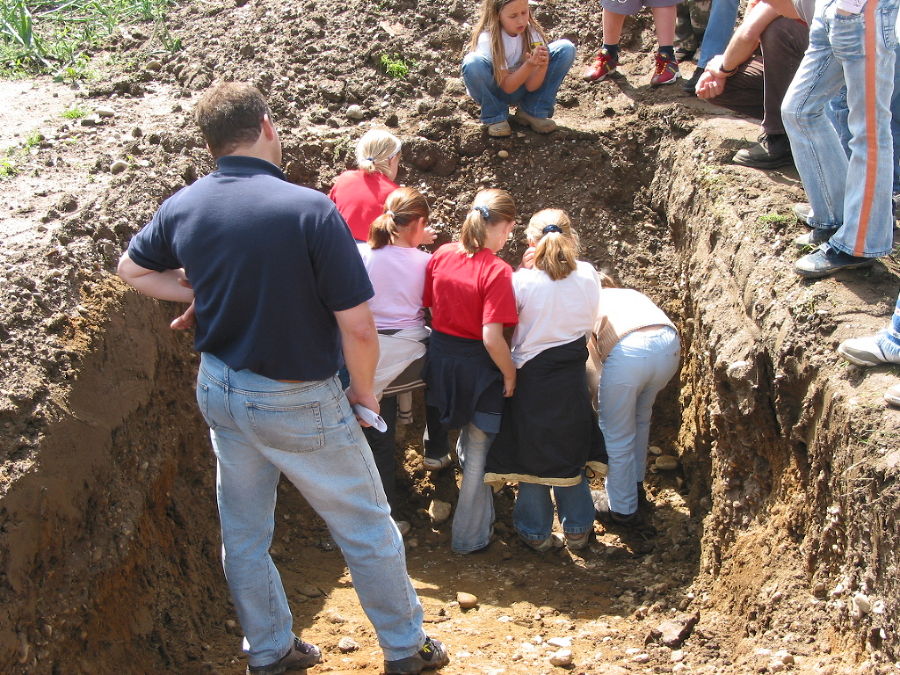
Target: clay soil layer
x=777, y=534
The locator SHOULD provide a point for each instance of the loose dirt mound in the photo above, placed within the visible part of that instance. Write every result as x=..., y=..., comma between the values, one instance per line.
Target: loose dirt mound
x=778, y=533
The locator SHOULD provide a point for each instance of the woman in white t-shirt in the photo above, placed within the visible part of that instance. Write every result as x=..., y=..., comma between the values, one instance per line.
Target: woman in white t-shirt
x=548, y=432
x=510, y=63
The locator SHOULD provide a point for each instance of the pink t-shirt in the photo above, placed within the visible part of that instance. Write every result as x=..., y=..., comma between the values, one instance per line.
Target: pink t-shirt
x=359, y=197
x=397, y=274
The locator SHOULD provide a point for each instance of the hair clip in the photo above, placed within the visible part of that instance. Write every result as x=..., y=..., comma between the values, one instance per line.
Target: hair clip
x=370, y=159
x=483, y=210
x=389, y=213
x=551, y=228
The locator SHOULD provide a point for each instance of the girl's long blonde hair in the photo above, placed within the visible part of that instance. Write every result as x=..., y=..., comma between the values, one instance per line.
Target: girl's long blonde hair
x=401, y=208
x=489, y=20
x=555, y=243
x=376, y=149
x=490, y=206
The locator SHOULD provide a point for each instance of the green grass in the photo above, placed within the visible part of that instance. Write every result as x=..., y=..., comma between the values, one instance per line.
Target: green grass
x=776, y=220
x=394, y=66
x=8, y=168
x=40, y=36
x=76, y=112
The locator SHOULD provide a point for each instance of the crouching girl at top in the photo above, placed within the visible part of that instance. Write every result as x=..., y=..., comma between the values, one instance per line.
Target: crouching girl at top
x=510, y=63
x=468, y=368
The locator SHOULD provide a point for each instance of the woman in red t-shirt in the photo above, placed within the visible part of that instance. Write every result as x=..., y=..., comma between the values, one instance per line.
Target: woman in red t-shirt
x=359, y=194
x=468, y=367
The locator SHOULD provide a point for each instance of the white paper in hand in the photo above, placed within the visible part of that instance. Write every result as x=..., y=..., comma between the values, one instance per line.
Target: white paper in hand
x=370, y=417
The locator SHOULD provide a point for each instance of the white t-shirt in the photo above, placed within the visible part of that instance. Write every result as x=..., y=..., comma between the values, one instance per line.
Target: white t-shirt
x=397, y=274
x=513, y=47
x=553, y=313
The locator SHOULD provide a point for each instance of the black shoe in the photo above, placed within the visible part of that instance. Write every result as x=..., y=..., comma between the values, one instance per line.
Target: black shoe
x=772, y=151
x=690, y=85
x=609, y=517
x=432, y=656
x=643, y=502
x=301, y=656
x=826, y=260
x=816, y=236
x=682, y=54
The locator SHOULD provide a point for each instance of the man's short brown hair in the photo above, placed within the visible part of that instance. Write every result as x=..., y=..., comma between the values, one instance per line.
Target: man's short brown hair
x=230, y=114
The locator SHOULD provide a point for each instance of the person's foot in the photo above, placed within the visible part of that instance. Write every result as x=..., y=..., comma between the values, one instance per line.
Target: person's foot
x=437, y=464
x=826, y=260
x=499, y=129
x=682, y=54
x=892, y=396
x=432, y=656
x=803, y=211
x=690, y=84
x=403, y=526
x=541, y=545
x=603, y=65
x=771, y=152
x=815, y=237
x=542, y=125
x=666, y=71
x=643, y=502
x=301, y=656
x=865, y=351
x=606, y=515
x=576, y=542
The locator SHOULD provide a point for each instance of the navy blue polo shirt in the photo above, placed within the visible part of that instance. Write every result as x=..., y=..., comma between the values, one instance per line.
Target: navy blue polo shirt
x=270, y=262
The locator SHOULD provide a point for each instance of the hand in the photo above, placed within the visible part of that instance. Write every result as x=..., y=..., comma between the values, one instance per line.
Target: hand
x=714, y=67
x=430, y=236
x=366, y=399
x=709, y=86
x=186, y=320
x=509, y=385
x=528, y=258
x=540, y=57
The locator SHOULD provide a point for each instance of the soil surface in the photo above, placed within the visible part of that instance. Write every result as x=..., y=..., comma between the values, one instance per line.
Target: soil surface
x=777, y=538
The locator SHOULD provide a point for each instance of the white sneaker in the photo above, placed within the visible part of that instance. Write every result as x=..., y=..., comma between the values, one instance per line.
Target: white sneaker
x=499, y=129
x=864, y=351
x=542, y=125
x=438, y=464
x=892, y=396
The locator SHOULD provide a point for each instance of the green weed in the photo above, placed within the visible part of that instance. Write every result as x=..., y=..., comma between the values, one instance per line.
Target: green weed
x=8, y=168
x=394, y=66
x=777, y=220
x=76, y=112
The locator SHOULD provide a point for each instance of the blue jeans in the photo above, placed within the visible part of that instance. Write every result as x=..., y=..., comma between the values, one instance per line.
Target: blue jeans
x=261, y=428
x=854, y=195
x=889, y=338
x=478, y=74
x=636, y=370
x=838, y=114
x=533, y=513
x=474, y=516
x=722, y=17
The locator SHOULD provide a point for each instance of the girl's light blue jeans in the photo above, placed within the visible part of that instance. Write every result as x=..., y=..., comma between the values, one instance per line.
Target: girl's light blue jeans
x=478, y=74
x=261, y=428
x=635, y=371
x=474, y=516
x=853, y=195
x=533, y=513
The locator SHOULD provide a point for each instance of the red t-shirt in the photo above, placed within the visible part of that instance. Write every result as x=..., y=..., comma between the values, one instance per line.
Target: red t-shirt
x=466, y=292
x=359, y=197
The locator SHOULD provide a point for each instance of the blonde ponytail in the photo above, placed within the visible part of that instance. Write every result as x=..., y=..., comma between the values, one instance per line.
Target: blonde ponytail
x=402, y=207
x=555, y=243
x=376, y=149
x=490, y=207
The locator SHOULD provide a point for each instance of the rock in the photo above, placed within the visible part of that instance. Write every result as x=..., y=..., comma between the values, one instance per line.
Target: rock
x=438, y=511
x=502, y=154
x=454, y=86
x=655, y=450
x=153, y=65
x=137, y=132
x=666, y=462
x=466, y=600
x=860, y=605
x=309, y=591
x=471, y=140
x=677, y=656
x=118, y=166
x=90, y=121
x=347, y=645
x=561, y=658
x=105, y=112
x=643, y=657
x=355, y=112
x=673, y=632
x=560, y=641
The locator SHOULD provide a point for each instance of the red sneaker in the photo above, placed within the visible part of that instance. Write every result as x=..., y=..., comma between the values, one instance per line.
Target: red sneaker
x=666, y=71
x=603, y=65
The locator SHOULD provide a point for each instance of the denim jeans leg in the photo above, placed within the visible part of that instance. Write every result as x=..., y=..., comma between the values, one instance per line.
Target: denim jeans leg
x=474, y=514
x=869, y=76
x=815, y=144
x=575, y=508
x=542, y=101
x=478, y=75
x=837, y=113
x=722, y=17
x=533, y=512
x=895, y=120
x=620, y=385
x=889, y=338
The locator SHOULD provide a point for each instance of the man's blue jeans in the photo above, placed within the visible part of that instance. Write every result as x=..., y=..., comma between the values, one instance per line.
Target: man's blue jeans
x=533, y=513
x=478, y=74
x=722, y=17
x=853, y=195
x=889, y=338
x=261, y=428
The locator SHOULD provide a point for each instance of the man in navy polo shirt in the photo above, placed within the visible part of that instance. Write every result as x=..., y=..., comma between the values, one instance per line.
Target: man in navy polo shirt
x=280, y=294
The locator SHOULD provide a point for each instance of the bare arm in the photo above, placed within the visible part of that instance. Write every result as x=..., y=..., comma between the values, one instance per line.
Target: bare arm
x=360, y=344
x=784, y=7
x=531, y=73
x=161, y=285
x=497, y=347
